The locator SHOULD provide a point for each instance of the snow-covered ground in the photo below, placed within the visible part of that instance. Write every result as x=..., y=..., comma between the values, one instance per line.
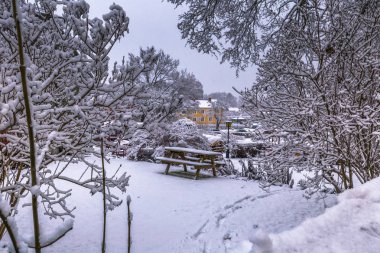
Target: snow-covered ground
x=174, y=214
x=353, y=225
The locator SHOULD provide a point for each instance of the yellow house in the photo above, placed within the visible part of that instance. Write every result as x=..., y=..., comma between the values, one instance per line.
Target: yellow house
x=206, y=113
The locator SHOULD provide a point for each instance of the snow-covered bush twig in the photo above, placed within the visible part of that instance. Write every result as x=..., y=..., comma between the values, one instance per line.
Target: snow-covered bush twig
x=17, y=15
x=104, y=197
x=130, y=218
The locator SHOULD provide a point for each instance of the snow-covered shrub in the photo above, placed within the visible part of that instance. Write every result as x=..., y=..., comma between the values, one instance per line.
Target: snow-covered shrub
x=246, y=150
x=228, y=168
x=184, y=133
x=255, y=169
x=186, y=126
x=181, y=133
x=140, y=140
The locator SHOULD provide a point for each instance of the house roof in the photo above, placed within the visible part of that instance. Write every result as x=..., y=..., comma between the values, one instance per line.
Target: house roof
x=233, y=109
x=206, y=103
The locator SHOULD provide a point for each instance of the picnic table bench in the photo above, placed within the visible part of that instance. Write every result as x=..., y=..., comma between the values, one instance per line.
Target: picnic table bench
x=199, y=159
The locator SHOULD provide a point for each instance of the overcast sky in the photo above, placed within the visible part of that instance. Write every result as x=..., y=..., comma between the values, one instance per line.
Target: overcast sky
x=154, y=23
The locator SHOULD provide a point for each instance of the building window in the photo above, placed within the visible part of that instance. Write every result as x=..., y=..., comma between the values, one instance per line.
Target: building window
x=209, y=118
x=194, y=119
x=202, y=119
x=202, y=111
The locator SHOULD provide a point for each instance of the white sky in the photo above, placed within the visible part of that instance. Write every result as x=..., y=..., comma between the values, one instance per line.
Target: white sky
x=154, y=23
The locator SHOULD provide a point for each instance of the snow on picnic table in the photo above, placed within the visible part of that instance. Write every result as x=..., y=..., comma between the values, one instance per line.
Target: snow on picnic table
x=174, y=214
x=193, y=151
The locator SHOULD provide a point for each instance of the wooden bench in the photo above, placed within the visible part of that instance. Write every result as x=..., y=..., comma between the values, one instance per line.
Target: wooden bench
x=217, y=162
x=192, y=158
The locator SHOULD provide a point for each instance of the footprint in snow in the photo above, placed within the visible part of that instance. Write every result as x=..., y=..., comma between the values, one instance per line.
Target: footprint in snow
x=199, y=231
x=372, y=229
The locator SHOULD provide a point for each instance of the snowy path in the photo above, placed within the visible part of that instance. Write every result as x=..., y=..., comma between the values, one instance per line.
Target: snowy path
x=173, y=214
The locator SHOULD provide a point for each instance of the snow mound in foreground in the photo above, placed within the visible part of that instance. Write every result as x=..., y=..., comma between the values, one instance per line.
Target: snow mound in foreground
x=353, y=225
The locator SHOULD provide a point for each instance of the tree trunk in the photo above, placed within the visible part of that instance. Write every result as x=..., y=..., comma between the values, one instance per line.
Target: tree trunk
x=29, y=120
x=104, y=198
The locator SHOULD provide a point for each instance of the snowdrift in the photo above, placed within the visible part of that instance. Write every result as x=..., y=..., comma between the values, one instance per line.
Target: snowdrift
x=353, y=225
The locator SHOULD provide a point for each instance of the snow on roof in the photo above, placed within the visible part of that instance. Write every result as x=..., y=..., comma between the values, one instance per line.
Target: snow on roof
x=233, y=109
x=238, y=118
x=206, y=103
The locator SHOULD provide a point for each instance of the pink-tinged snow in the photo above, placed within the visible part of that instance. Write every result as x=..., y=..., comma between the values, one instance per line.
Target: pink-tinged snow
x=173, y=214
x=353, y=225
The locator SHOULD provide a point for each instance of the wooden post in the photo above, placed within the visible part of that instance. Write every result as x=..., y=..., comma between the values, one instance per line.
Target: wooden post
x=129, y=223
x=213, y=166
x=182, y=155
x=167, y=169
x=197, y=173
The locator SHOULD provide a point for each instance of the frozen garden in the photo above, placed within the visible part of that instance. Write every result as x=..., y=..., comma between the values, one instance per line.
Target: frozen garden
x=176, y=214
x=180, y=126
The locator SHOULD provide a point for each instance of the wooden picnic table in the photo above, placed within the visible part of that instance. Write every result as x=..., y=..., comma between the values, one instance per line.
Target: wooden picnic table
x=199, y=159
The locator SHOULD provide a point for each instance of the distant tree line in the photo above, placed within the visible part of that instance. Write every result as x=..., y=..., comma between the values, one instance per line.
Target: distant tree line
x=225, y=98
